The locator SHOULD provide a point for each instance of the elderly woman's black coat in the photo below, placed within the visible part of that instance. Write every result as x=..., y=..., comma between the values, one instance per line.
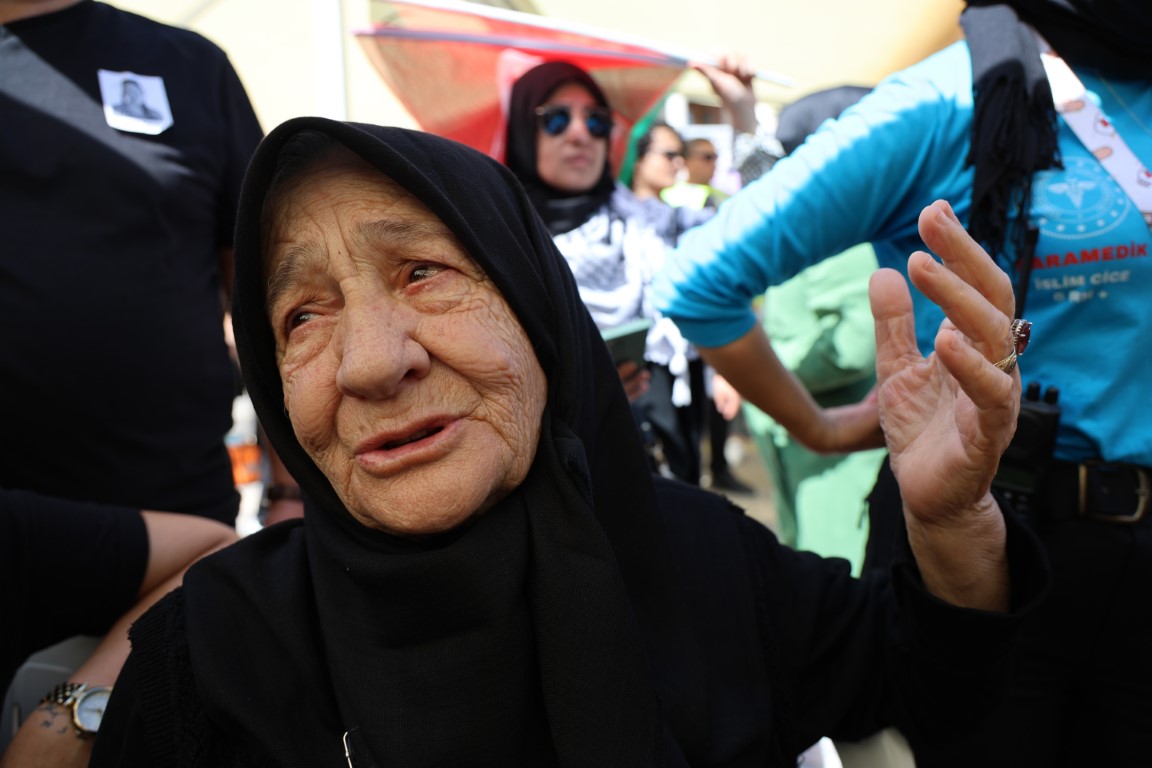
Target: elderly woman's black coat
x=596, y=616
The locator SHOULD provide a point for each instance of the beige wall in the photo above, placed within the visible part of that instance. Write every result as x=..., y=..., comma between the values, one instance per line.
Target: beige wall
x=818, y=43
x=298, y=57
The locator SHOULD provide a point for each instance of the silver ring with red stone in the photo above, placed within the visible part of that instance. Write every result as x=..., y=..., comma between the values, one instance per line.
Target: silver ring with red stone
x=1021, y=334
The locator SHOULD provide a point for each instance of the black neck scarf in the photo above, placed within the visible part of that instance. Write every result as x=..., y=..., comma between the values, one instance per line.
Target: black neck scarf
x=561, y=211
x=524, y=637
x=1014, y=125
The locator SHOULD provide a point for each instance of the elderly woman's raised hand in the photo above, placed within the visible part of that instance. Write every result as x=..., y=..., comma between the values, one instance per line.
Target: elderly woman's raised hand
x=948, y=418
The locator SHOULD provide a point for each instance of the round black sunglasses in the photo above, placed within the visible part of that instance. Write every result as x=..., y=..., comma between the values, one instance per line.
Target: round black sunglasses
x=556, y=119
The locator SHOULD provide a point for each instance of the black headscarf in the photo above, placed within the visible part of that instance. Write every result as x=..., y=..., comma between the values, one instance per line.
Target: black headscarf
x=1014, y=126
x=561, y=211
x=520, y=637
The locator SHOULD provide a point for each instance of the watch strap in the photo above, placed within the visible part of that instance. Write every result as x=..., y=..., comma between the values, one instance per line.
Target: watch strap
x=64, y=694
x=72, y=696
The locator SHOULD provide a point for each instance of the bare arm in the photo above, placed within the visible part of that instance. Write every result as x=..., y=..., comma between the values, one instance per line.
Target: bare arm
x=752, y=367
x=948, y=418
x=47, y=737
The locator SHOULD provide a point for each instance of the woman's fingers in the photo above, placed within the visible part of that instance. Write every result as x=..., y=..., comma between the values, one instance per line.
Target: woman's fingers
x=977, y=299
x=947, y=238
x=986, y=386
x=967, y=310
x=895, y=326
x=972, y=290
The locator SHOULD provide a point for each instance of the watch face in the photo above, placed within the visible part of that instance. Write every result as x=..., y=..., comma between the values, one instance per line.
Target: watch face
x=90, y=709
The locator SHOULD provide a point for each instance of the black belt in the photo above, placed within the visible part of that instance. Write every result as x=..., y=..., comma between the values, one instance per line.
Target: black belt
x=1103, y=491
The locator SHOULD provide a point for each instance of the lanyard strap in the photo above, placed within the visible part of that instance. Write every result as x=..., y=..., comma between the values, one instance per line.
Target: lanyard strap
x=1097, y=133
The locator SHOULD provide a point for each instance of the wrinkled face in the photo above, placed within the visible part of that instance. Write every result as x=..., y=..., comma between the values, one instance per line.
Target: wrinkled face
x=407, y=378
x=574, y=160
x=657, y=169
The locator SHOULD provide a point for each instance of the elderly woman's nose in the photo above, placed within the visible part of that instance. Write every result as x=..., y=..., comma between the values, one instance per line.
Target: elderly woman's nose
x=378, y=350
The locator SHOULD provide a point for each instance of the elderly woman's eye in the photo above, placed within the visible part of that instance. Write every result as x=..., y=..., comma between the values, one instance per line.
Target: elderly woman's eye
x=424, y=272
x=296, y=319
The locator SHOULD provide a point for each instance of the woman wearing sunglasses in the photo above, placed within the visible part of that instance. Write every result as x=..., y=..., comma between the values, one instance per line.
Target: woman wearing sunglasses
x=559, y=133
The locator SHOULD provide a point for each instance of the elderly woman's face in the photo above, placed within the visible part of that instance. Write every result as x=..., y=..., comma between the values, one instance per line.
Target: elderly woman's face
x=573, y=160
x=407, y=378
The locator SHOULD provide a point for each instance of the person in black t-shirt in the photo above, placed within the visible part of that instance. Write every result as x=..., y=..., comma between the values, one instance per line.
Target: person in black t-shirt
x=124, y=144
x=123, y=147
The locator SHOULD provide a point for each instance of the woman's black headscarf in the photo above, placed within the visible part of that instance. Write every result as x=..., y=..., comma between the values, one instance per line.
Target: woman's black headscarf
x=561, y=211
x=1014, y=127
x=518, y=639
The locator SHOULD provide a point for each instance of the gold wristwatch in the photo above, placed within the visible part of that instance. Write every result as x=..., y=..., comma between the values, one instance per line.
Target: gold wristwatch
x=87, y=703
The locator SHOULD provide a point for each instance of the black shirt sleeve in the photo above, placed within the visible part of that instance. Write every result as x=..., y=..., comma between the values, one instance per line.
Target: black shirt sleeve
x=67, y=568
x=848, y=656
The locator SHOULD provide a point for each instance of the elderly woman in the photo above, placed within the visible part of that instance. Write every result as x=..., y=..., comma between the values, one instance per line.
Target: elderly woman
x=487, y=573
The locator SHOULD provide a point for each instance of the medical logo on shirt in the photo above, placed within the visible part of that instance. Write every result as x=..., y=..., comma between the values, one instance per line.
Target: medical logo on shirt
x=1092, y=242
x=1082, y=201
x=135, y=103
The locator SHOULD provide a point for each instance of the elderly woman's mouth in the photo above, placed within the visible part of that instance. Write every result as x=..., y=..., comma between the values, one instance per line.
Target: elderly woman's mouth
x=418, y=435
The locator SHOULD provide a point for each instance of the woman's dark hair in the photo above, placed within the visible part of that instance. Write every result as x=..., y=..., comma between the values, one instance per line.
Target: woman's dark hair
x=644, y=143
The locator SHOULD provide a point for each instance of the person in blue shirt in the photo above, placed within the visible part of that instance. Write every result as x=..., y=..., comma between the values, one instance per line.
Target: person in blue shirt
x=977, y=124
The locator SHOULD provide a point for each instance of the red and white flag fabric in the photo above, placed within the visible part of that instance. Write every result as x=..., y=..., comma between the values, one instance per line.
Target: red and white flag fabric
x=452, y=65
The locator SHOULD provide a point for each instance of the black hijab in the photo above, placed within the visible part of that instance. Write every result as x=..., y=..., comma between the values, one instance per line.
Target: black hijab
x=561, y=211
x=1014, y=126
x=522, y=638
